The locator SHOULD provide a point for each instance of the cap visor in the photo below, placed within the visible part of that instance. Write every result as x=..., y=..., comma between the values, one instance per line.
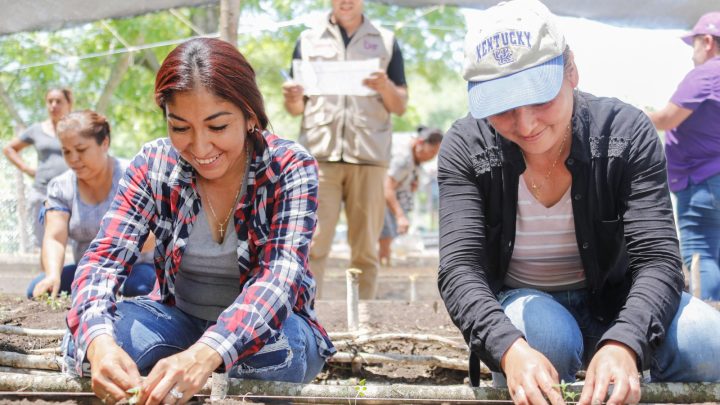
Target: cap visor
x=688, y=39
x=538, y=84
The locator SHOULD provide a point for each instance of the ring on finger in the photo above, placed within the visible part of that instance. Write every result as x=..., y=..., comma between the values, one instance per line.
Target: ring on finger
x=175, y=393
x=105, y=398
x=519, y=392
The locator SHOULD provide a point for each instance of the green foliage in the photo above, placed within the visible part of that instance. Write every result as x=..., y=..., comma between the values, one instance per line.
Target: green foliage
x=567, y=394
x=134, y=395
x=60, y=302
x=133, y=116
x=30, y=63
x=360, y=389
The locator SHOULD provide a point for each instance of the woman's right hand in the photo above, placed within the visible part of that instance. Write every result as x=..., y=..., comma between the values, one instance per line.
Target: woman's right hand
x=113, y=371
x=292, y=91
x=47, y=285
x=530, y=375
x=403, y=224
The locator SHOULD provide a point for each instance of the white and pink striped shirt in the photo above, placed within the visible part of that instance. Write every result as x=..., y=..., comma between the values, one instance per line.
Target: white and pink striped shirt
x=546, y=255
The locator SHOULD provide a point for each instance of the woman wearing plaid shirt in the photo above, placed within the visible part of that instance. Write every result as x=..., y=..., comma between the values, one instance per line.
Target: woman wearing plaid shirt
x=232, y=207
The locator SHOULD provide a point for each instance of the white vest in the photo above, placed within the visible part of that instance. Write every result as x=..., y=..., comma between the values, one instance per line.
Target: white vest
x=354, y=129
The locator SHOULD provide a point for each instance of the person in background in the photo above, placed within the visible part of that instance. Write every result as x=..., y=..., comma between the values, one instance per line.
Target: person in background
x=401, y=183
x=558, y=248
x=691, y=120
x=350, y=136
x=232, y=207
x=76, y=203
x=50, y=163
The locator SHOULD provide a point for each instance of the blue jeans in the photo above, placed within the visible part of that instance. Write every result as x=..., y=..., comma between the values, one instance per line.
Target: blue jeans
x=698, y=211
x=149, y=331
x=560, y=326
x=140, y=282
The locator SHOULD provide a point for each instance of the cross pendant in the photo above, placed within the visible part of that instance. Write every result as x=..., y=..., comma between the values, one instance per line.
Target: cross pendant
x=222, y=232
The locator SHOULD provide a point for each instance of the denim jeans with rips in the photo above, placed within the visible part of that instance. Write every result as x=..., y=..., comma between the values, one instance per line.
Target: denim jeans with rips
x=559, y=325
x=149, y=331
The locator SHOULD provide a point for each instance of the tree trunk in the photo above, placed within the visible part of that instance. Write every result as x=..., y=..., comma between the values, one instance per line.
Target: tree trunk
x=116, y=75
x=150, y=61
x=10, y=106
x=229, y=18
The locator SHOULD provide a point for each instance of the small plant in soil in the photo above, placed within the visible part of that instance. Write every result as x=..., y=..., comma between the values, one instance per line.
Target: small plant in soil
x=59, y=302
x=567, y=394
x=360, y=389
x=134, y=395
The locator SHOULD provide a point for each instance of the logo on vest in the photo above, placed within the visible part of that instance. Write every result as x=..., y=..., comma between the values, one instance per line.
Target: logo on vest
x=370, y=45
x=501, y=45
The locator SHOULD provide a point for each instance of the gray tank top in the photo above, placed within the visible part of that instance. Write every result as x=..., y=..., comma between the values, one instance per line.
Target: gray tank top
x=209, y=277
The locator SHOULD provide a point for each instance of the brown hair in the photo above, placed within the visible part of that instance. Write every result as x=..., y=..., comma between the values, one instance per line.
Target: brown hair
x=67, y=93
x=217, y=66
x=431, y=136
x=87, y=123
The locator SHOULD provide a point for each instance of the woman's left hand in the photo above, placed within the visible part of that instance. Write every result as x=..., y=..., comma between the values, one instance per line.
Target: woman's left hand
x=378, y=81
x=615, y=363
x=175, y=379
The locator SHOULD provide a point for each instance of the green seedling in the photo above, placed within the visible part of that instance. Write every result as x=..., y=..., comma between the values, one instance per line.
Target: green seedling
x=134, y=395
x=360, y=389
x=55, y=303
x=567, y=394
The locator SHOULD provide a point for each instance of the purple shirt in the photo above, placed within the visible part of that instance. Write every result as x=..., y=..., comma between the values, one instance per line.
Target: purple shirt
x=693, y=148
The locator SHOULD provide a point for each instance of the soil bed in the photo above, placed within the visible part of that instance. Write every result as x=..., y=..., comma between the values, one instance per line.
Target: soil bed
x=20, y=311
x=377, y=317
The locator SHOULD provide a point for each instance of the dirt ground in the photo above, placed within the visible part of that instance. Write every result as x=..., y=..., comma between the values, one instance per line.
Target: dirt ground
x=16, y=310
x=427, y=317
x=391, y=313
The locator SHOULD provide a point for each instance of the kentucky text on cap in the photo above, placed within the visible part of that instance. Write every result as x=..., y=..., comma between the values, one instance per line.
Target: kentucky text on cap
x=513, y=57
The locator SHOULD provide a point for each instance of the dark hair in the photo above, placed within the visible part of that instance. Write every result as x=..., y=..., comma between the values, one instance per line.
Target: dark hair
x=217, y=66
x=431, y=136
x=717, y=41
x=87, y=123
x=67, y=93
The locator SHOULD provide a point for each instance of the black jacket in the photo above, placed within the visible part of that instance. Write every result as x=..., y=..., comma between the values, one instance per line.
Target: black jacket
x=623, y=222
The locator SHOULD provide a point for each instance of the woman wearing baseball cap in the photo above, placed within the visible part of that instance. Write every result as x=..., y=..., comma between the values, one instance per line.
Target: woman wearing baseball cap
x=558, y=249
x=691, y=121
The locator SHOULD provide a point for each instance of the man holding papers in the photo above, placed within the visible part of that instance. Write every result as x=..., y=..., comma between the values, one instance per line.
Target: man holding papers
x=348, y=78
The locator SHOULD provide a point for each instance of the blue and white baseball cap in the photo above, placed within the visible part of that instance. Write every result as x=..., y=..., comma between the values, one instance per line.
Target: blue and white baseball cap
x=513, y=58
